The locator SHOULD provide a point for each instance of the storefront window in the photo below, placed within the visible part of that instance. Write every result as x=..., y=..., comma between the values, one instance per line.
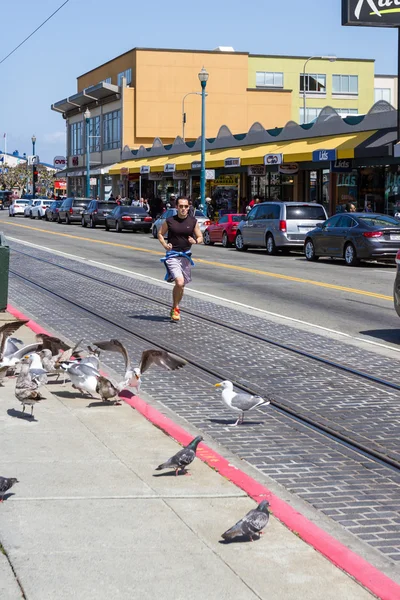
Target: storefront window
x=372, y=188
x=224, y=193
x=347, y=191
x=392, y=190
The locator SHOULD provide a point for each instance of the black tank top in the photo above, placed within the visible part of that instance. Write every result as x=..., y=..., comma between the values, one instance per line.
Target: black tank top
x=178, y=232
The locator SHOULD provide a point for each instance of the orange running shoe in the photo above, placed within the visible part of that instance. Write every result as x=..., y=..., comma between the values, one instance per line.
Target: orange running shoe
x=175, y=314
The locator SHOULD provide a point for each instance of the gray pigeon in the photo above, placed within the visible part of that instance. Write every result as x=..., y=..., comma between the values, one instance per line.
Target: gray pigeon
x=6, y=484
x=251, y=525
x=183, y=458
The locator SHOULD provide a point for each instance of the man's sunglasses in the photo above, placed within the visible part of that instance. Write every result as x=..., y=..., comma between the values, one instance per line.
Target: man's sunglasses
x=183, y=206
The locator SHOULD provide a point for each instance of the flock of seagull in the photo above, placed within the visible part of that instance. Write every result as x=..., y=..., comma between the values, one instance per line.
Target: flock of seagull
x=49, y=355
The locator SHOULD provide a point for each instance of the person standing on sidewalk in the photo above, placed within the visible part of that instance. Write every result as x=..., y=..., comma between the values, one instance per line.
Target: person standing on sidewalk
x=183, y=231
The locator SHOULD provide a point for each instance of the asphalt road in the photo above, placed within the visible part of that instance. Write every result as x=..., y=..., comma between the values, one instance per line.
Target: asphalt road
x=354, y=301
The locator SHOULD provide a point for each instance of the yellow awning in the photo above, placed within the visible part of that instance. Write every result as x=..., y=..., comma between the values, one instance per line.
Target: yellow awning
x=293, y=151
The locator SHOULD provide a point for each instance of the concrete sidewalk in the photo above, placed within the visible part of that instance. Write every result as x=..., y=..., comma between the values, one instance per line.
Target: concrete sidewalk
x=91, y=518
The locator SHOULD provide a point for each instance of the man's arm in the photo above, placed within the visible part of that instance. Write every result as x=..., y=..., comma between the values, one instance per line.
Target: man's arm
x=161, y=232
x=198, y=236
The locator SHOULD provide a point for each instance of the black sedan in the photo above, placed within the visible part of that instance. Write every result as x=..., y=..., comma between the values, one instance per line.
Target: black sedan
x=96, y=213
x=134, y=218
x=354, y=237
x=51, y=212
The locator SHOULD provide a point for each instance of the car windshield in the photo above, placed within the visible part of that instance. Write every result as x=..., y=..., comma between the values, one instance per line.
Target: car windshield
x=198, y=213
x=294, y=213
x=379, y=221
x=135, y=210
x=237, y=218
x=81, y=203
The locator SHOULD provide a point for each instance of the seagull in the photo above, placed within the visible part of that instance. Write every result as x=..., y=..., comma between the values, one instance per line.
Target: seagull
x=83, y=376
x=28, y=383
x=132, y=378
x=54, y=344
x=250, y=525
x=37, y=374
x=10, y=354
x=6, y=332
x=6, y=484
x=183, y=458
x=239, y=403
x=52, y=364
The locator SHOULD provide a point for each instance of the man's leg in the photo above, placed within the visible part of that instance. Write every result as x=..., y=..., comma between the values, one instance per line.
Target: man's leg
x=177, y=292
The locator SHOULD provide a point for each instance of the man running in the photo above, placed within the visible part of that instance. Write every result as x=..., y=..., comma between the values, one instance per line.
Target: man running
x=183, y=231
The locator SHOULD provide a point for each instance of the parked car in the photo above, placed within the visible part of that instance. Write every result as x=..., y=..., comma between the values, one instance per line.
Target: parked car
x=223, y=231
x=278, y=225
x=134, y=218
x=27, y=210
x=396, y=287
x=71, y=210
x=38, y=208
x=5, y=199
x=355, y=237
x=17, y=207
x=96, y=212
x=51, y=212
x=202, y=220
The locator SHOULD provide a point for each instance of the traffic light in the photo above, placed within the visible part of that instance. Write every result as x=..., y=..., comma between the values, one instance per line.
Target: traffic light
x=35, y=175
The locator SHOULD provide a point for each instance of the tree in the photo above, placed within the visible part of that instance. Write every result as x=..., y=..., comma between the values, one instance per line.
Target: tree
x=21, y=175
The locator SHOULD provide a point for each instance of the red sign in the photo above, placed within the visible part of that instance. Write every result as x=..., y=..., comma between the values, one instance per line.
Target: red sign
x=60, y=185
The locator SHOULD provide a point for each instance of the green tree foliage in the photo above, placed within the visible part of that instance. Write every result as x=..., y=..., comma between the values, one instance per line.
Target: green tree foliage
x=20, y=175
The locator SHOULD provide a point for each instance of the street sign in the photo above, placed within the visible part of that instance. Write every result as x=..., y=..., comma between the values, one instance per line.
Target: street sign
x=144, y=169
x=33, y=160
x=210, y=174
x=371, y=13
x=60, y=162
x=342, y=166
x=169, y=168
x=256, y=170
x=232, y=162
x=273, y=159
x=324, y=155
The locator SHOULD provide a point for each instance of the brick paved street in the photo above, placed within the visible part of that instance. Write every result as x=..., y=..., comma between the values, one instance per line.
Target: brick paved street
x=359, y=494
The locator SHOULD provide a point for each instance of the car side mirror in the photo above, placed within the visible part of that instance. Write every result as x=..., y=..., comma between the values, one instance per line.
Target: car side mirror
x=320, y=225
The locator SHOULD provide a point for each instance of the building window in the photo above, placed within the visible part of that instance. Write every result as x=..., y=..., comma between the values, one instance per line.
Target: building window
x=345, y=84
x=314, y=83
x=112, y=130
x=94, y=134
x=267, y=79
x=108, y=80
x=127, y=74
x=383, y=94
x=311, y=115
x=76, y=139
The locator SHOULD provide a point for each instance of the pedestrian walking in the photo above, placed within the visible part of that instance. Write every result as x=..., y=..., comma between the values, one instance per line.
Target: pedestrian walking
x=183, y=231
x=350, y=207
x=192, y=210
x=210, y=212
x=172, y=201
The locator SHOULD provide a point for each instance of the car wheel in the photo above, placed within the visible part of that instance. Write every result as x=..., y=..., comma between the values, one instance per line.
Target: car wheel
x=9, y=214
x=67, y=221
x=59, y=219
x=92, y=224
x=46, y=217
x=270, y=245
x=118, y=227
x=309, y=251
x=83, y=223
x=106, y=227
x=239, y=243
x=154, y=232
x=350, y=255
x=31, y=215
x=207, y=240
x=225, y=242
x=39, y=216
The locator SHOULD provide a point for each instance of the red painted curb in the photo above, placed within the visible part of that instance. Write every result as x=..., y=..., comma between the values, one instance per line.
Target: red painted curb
x=341, y=556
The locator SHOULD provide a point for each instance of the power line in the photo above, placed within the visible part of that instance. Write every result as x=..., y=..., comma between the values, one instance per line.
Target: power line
x=33, y=32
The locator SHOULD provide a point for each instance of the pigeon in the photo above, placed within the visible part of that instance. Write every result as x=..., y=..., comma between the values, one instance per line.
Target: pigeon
x=183, y=458
x=132, y=378
x=251, y=525
x=6, y=484
x=239, y=403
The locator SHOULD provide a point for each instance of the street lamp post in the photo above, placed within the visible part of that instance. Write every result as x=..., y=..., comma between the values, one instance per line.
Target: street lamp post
x=33, y=166
x=87, y=121
x=203, y=77
x=331, y=59
x=183, y=111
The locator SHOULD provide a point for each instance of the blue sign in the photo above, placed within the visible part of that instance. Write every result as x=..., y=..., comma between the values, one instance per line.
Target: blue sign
x=324, y=155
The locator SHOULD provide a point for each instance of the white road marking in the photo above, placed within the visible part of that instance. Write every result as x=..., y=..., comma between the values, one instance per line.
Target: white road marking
x=194, y=292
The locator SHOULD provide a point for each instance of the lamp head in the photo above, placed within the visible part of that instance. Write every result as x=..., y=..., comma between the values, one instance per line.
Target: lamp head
x=331, y=58
x=86, y=114
x=33, y=138
x=203, y=75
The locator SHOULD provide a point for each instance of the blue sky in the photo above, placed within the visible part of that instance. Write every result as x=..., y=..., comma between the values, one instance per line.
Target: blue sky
x=85, y=34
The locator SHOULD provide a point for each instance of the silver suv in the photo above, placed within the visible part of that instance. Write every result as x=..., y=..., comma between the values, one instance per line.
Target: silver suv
x=278, y=225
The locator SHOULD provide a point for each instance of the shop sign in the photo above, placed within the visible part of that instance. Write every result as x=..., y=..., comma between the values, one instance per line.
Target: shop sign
x=60, y=185
x=232, y=162
x=289, y=169
x=342, y=166
x=196, y=165
x=324, y=155
x=181, y=175
x=273, y=159
x=371, y=13
x=144, y=169
x=75, y=161
x=210, y=174
x=169, y=168
x=256, y=170
x=124, y=171
x=155, y=176
x=60, y=162
x=93, y=181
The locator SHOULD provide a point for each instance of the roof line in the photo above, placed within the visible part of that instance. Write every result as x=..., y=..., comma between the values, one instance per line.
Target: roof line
x=307, y=57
